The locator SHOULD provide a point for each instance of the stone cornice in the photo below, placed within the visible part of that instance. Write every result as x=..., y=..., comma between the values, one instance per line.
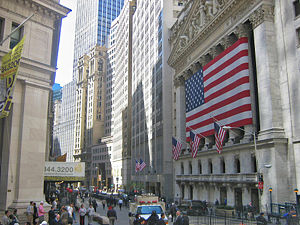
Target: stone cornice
x=191, y=36
x=51, y=6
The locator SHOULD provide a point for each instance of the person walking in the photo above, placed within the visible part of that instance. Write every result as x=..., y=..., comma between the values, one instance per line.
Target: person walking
x=120, y=203
x=153, y=219
x=51, y=216
x=29, y=212
x=15, y=215
x=94, y=202
x=185, y=219
x=82, y=212
x=103, y=203
x=64, y=216
x=162, y=220
x=173, y=211
x=35, y=214
x=179, y=219
x=90, y=213
x=70, y=210
x=41, y=212
x=112, y=215
x=5, y=218
x=261, y=220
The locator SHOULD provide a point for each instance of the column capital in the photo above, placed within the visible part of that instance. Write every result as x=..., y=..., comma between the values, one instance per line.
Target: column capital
x=179, y=81
x=264, y=13
x=242, y=30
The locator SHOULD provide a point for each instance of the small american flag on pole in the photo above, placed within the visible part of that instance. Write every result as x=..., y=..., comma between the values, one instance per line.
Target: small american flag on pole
x=142, y=164
x=220, y=89
x=219, y=136
x=176, y=148
x=195, y=142
x=137, y=166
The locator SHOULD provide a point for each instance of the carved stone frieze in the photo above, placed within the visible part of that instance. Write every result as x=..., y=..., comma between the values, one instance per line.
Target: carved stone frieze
x=179, y=81
x=263, y=13
x=242, y=30
x=207, y=16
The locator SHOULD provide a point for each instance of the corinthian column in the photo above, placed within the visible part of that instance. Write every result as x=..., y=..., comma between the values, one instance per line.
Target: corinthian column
x=267, y=72
x=180, y=110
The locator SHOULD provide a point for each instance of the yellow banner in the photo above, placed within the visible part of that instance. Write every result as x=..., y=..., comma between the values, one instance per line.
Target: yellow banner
x=9, y=70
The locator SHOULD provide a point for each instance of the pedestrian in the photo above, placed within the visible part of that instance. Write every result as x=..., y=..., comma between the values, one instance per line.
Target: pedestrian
x=261, y=220
x=137, y=220
x=179, y=220
x=54, y=204
x=120, y=203
x=82, y=212
x=185, y=219
x=103, y=203
x=35, y=214
x=90, y=213
x=153, y=219
x=29, y=212
x=57, y=220
x=41, y=212
x=162, y=220
x=292, y=218
x=112, y=215
x=51, y=216
x=217, y=202
x=5, y=218
x=94, y=202
x=15, y=215
x=70, y=210
x=64, y=216
x=173, y=211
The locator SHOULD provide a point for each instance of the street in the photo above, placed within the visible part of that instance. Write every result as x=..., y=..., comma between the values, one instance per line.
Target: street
x=122, y=215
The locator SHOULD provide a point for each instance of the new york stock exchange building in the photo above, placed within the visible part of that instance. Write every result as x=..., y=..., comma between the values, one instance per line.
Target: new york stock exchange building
x=236, y=64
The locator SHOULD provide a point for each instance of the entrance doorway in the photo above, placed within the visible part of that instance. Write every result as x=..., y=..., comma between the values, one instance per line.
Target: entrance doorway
x=223, y=196
x=238, y=201
x=255, y=200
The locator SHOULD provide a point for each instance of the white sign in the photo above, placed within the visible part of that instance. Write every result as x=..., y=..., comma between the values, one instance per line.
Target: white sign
x=64, y=169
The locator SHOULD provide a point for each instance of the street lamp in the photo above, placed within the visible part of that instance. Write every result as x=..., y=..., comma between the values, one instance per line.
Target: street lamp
x=296, y=192
x=271, y=208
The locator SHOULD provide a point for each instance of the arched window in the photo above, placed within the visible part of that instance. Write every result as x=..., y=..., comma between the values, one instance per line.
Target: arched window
x=182, y=192
x=190, y=168
x=237, y=165
x=199, y=167
x=222, y=165
x=191, y=192
x=210, y=167
x=182, y=168
x=253, y=164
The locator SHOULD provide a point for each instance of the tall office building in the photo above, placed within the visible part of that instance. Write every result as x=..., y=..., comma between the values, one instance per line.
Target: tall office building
x=93, y=22
x=152, y=95
x=122, y=95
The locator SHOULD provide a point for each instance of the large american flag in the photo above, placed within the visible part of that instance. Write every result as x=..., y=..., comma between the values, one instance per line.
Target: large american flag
x=220, y=91
x=176, y=148
x=195, y=142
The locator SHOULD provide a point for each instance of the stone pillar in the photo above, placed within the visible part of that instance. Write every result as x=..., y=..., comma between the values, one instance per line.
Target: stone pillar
x=267, y=72
x=246, y=198
x=27, y=145
x=180, y=111
x=230, y=195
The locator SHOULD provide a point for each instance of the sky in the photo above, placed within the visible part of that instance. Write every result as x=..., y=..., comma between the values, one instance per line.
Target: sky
x=66, y=45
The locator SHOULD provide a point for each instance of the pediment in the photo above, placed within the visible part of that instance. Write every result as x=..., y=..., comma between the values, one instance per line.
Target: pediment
x=201, y=19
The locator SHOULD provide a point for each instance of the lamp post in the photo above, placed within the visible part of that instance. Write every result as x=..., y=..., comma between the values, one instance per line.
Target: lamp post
x=296, y=193
x=271, y=208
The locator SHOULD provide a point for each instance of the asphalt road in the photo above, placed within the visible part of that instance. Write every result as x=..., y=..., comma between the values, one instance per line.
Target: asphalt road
x=122, y=214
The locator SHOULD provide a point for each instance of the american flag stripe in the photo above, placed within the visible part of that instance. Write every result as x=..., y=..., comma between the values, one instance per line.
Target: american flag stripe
x=219, y=137
x=226, y=92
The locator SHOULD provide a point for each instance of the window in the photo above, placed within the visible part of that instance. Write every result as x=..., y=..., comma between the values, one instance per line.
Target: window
x=16, y=36
x=190, y=168
x=1, y=28
x=210, y=167
x=298, y=36
x=297, y=7
x=200, y=167
x=237, y=165
x=222, y=165
x=182, y=168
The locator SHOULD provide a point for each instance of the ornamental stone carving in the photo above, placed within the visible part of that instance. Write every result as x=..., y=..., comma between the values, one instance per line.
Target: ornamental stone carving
x=263, y=13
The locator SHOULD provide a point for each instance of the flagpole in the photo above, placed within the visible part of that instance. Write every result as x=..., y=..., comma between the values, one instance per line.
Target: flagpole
x=198, y=134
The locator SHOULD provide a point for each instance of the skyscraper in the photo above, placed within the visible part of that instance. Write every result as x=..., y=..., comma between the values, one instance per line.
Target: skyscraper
x=93, y=22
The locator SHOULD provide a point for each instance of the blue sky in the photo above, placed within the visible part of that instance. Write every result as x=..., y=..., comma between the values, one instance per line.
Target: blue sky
x=66, y=45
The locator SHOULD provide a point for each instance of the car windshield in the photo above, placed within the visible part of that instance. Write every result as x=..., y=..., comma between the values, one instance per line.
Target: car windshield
x=149, y=209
